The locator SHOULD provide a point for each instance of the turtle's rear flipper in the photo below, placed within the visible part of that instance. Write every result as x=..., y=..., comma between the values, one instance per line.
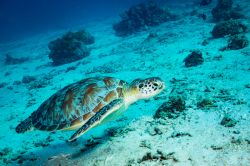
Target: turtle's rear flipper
x=98, y=118
x=24, y=126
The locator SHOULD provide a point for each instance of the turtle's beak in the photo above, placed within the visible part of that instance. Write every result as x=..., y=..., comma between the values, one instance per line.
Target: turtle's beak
x=162, y=86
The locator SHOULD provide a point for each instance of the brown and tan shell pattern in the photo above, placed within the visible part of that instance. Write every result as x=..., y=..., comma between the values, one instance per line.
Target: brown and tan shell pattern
x=76, y=103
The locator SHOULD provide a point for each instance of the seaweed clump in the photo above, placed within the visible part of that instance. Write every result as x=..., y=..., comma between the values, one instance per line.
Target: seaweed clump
x=194, y=59
x=171, y=109
x=70, y=47
x=140, y=17
x=224, y=11
x=237, y=42
x=205, y=103
x=231, y=27
x=228, y=121
x=158, y=156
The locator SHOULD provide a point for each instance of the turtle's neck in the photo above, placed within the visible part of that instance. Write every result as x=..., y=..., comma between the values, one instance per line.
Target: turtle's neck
x=130, y=95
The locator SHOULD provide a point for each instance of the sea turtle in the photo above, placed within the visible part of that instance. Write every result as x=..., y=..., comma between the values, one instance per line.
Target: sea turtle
x=88, y=103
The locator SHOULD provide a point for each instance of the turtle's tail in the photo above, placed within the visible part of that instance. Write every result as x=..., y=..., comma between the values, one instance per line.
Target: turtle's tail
x=24, y=125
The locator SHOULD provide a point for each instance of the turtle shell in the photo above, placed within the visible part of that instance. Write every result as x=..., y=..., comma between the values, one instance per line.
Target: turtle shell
x=76, y=103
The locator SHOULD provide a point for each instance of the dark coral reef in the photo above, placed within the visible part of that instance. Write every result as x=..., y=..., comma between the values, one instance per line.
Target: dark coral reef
x=224, y=11
x=70, y=47
x=194, y=59
x=230, y=27
x=237, y=42
x=205, y=2
x=140, y=17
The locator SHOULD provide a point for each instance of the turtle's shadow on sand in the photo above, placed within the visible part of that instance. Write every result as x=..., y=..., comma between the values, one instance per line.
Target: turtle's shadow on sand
x=90, y=145
x=68, y=151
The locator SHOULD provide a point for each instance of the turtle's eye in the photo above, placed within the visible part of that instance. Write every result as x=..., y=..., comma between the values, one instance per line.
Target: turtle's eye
x=155, y=84
x=140, y=85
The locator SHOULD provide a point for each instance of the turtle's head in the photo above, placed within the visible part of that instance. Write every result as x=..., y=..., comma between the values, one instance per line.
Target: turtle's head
x=147, y=88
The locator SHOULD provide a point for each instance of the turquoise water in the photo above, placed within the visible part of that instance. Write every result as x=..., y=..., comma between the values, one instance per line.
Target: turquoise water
x=175, y=75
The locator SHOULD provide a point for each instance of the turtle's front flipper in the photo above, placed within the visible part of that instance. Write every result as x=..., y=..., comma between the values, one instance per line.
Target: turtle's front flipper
x=98, y=118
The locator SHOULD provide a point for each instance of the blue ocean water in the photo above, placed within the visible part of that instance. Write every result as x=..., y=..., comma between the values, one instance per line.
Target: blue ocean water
x=23, y=18
x=124, y=83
